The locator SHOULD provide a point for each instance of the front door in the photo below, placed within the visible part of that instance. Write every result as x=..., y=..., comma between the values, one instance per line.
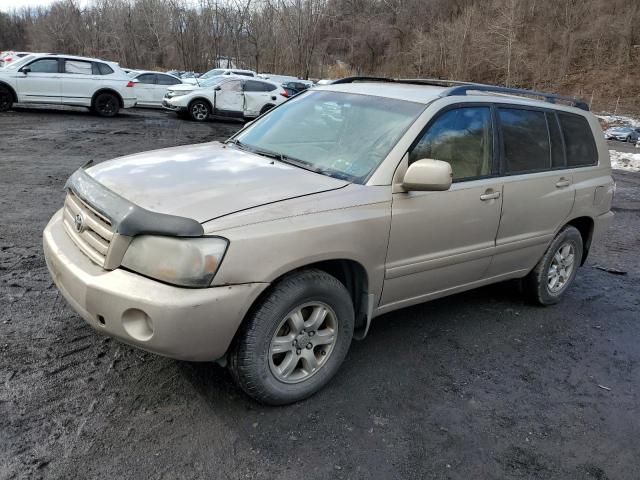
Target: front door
x=230, y=99
x=443, y=240
x=41, y=83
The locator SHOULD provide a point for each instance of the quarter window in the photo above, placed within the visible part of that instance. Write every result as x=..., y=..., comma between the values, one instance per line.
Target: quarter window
x=167, y=80
x=525, y=140
x=461, y=137
x=581, y=148
x=46, y=65
x=104, y=69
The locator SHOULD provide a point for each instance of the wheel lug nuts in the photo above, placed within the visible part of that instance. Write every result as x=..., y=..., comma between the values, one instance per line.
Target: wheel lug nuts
x=312, y=333
x=298, y=351
x=309, y=346
x=323, y=352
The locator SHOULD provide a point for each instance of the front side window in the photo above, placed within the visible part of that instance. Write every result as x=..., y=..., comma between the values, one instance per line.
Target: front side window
x=525, y=140
x=581, y=148
x=337, y=134
x=46, y=65
x=232, y=86
x=462, y=137
x=78, y=67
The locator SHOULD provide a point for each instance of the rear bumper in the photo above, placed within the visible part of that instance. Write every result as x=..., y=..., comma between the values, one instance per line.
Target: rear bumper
x=182, y=323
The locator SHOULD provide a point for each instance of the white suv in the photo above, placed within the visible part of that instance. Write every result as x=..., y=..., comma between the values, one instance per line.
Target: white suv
x=67, y=80
x=231, y=96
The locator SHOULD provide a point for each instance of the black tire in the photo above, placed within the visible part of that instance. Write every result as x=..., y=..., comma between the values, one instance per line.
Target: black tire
x=6, y=99
x=199, y=110
x=266, y=108
x=536, y=283
x=249, y=359
x=106, y=105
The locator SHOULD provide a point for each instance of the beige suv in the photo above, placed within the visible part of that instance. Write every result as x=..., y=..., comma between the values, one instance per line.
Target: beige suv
x=270, y=252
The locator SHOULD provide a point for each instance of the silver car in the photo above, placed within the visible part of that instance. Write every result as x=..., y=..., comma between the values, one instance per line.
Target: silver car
x=271, y=252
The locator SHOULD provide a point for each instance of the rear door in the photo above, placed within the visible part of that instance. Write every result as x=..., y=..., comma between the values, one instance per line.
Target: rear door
x=79, y=82
x=146, y=89
x=440, y=241
x=160, y=88
x=230, y=99
x=41, y=83
x=258, y=94
x=538, y=189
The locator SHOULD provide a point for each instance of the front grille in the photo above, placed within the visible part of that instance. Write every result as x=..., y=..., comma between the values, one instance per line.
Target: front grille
x=94, y=238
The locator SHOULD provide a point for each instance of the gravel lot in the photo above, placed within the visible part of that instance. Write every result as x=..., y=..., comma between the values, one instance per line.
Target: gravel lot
x=480, y=385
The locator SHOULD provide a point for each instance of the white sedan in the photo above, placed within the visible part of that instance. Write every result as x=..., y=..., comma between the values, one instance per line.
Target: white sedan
x=225, y=96
x=151, y=87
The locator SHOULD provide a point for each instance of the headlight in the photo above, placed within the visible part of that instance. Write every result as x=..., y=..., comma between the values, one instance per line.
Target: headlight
x=187, y=262
x=176, y=93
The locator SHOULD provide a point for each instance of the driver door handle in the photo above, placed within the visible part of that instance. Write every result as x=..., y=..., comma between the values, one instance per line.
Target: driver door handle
x=489, y=195
x=563, y=182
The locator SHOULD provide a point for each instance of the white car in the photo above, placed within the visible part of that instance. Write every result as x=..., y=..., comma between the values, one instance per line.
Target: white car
x=231, y=96
x=68, y=80
x=217, y=72
x=151, y=87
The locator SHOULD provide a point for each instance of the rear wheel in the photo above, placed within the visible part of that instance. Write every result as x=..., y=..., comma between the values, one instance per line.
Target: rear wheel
x=295, y=340
x=6, y=99
x=199, y=110
x=556, y=270
x=106, y=105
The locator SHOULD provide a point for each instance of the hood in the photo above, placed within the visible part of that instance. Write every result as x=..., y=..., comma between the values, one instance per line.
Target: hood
x=184, y=86
x=207, y=180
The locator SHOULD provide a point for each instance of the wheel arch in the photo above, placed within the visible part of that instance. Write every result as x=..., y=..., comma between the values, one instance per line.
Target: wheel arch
x=108, y=90
x=585, y=226
x=14, y=95
x=205, y=99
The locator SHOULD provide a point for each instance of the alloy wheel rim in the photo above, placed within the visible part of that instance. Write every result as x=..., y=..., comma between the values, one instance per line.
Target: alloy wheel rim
x=303, y=342
x=199, y=111
x=561, y=267
x=4, y=99
x=106, y=105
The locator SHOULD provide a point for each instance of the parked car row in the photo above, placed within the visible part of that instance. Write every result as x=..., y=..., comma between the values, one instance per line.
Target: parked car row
x=105, y=88
x=623, y=134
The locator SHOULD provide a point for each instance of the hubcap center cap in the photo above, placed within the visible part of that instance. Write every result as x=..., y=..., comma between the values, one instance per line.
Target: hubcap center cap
x=303, y=340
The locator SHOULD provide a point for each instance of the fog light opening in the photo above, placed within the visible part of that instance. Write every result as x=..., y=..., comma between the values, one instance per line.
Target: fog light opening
x=101, y=320
x=137, y=324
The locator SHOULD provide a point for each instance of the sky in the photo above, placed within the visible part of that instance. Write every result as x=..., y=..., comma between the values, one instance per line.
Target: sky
x=8, y=5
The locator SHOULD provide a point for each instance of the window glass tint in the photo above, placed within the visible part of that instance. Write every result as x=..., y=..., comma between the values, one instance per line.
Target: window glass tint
x=46, y=65
x=557, y=151
x=581, y=148
x=461, y=137
x=253, y=86
x=148, y=78
x=104, y=69
x=167, y=80
x=78, y=67
x=525, y=139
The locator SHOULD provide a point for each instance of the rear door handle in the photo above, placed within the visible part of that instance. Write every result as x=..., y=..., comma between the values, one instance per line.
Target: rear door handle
x=489, y=196
x=563, y=182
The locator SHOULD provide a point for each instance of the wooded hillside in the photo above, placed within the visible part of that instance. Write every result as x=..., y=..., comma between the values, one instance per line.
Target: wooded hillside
x=589, y=48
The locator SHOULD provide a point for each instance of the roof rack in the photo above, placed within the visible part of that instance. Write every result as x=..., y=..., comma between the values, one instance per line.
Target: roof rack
x=548, y=97
x=463, y=88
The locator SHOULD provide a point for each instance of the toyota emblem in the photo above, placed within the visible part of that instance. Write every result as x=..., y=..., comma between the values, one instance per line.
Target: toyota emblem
x=79, y=223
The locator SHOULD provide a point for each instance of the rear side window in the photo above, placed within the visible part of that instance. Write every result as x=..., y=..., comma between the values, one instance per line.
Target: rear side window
x=78, y=67
x=462, y=137
x=581, y=148
x=525, y=140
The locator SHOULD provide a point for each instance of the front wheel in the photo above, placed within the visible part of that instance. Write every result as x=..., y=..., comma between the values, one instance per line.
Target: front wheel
x=295, y=340
x=199, y=110
x=106, y=105
x=6, y=99
x=556, y=270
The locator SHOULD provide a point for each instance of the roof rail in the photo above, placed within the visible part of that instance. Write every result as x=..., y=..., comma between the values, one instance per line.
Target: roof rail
x=548, y=97
x=362, y=79
x=413, y=81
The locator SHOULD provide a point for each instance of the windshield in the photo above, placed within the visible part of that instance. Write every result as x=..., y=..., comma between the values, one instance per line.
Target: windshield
x=213, y=73
x=209, y=82
x=338, y=134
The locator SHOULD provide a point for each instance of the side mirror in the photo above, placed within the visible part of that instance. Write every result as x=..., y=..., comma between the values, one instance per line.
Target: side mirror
x=217, y=88
x=428, y=175
x=25, y=70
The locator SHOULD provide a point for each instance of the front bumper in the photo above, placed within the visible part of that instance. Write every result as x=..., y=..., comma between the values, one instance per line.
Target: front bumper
x=174, y=108
x=182, y=323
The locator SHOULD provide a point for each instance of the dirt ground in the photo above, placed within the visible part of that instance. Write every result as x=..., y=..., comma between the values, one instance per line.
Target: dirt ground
x=480, y=385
